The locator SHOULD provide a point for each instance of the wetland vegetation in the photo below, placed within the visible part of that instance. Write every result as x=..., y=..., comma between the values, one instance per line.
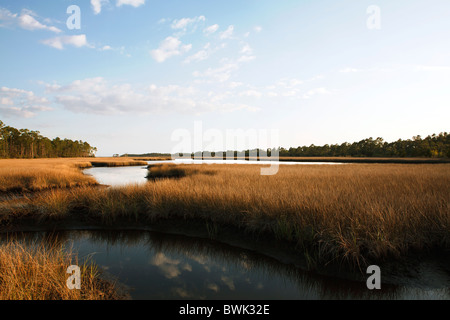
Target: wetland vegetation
x=354, y=214
x=341, y=216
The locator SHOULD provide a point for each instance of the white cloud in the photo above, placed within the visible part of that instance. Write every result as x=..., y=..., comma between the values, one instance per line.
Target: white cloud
x=251, y=93
x=97, y=5
x=294, y=88
x=185, y=22
x=211, y=29
x=293, y=93
x=246, y=49
x=246, y=52
x=22, y=103
x=349, y=70
x=288, y=83
x=257, y=29
x=202, y=54
x=97, y=96
x=432, y=68
x=220, y=74
x=356, y=70
x=26, y=20
x=105, y=48
x=199, y=56
x=316, y=91
x=235, y=84
x=246, y=58
x=134, y=3
x=6, y=16
x=59, y=42
x=169, y=47
x=224, y=72
x=227, y=34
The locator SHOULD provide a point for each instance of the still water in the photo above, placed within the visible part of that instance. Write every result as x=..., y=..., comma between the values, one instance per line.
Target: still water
x=156, y=266
x=118, y=176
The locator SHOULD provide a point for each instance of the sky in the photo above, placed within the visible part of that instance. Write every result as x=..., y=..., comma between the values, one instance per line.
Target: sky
x=138, y=76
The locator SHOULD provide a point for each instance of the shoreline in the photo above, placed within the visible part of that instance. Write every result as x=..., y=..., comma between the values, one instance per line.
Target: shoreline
x=404, y=271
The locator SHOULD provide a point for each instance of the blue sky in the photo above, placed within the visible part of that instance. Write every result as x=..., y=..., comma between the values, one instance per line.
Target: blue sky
x=136, y=71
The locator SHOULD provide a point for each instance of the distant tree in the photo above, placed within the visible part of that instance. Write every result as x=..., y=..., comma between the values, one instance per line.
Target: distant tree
x=432, y=146
x=25, y=143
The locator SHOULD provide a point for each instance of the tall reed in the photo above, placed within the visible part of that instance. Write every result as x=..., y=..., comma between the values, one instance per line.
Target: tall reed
x=354, y=213
x=37, y=272
x=31, y=175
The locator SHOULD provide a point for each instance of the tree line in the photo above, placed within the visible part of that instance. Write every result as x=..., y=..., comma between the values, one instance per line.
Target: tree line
x=24, y=143
x=432, y=146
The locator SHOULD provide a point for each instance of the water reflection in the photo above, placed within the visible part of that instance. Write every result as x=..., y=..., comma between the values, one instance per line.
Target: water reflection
x=162, y=266
x=118, y=176
x=121, y=176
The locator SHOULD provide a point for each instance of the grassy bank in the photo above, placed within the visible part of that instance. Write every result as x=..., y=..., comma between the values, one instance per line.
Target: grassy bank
x=152, y=158
x=354, y=214
x=161, y=171
x=35, y=272
x=114, y=162
x=25, y=175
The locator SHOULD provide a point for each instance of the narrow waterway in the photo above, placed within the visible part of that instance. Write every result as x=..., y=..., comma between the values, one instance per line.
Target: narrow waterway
x=156, y=266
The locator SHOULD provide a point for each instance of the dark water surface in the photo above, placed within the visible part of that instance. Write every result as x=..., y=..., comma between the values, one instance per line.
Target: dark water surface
x=161, y=266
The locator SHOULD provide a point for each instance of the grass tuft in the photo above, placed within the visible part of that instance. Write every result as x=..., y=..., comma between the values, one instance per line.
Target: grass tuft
x=37, y=272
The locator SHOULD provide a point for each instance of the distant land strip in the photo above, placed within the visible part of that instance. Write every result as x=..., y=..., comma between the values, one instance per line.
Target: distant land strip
x=313, y=159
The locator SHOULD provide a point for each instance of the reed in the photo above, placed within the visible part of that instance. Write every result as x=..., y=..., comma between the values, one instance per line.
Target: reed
x=161, y=171
x=117, y=163
x=37, y=272
x=354, y=214
x=31, y=175
x=30, y=179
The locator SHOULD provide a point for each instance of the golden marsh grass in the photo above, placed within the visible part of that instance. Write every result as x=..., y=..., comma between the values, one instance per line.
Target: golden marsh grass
x=35, y=272
x=29, y=175
x=354, y=213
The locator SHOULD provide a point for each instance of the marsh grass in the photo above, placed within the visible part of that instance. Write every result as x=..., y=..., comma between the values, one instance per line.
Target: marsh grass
x=117, y=163
x=161, y=171
x=25, y=175
x=152, y=158
x=354, y=214
x=38, y=272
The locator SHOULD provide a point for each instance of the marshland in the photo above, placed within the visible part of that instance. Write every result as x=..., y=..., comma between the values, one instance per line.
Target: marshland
x=224, y=150
x=331, y=219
